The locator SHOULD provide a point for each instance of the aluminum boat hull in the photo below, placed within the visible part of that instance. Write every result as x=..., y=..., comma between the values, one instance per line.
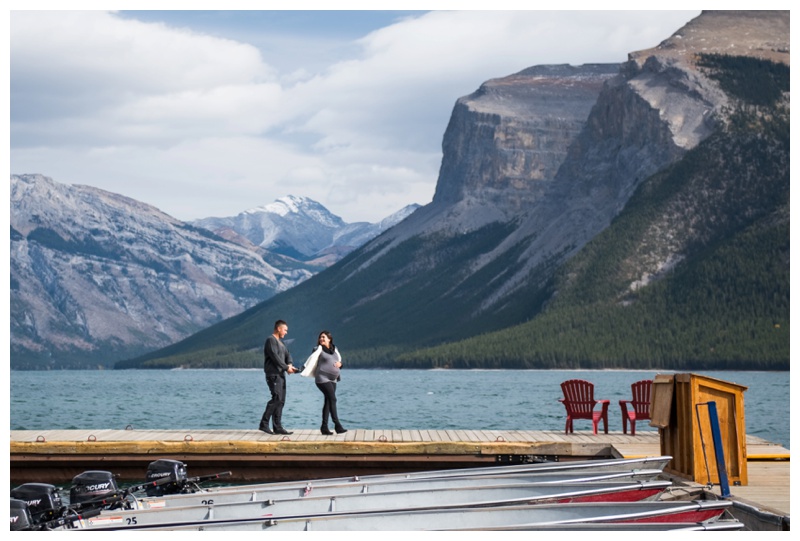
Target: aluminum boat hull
x=626, y=465
x=522, y=517
x=516, y=494
x=279, y=491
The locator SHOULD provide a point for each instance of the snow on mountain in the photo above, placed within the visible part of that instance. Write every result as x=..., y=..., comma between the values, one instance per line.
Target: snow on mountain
x=301, y=228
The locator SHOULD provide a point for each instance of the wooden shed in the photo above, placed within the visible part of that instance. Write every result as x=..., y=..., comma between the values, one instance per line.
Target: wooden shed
x=680, y=410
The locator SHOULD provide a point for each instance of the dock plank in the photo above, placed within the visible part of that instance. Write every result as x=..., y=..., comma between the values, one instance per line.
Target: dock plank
x=442, y=435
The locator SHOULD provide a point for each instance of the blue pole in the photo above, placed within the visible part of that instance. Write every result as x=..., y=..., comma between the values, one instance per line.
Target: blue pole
x=719, y=452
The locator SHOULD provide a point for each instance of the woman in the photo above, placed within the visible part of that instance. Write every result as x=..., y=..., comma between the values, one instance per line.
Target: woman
x=325, y=364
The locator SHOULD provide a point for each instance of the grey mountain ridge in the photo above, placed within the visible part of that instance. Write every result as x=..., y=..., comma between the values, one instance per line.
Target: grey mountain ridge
x=96, y=276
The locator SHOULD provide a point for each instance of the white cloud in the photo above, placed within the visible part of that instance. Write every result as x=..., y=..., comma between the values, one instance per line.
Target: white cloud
x=108, y=53
x=199, y=125
x=92, y=77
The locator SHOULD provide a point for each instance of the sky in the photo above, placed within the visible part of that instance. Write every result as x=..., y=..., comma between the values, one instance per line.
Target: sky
x=211, y=113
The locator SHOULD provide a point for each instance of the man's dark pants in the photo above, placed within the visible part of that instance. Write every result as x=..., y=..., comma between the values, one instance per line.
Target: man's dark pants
x=274, y=409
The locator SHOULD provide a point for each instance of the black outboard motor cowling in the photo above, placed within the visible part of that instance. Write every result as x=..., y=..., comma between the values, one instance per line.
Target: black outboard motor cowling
x=21, y=519
x=92, y=485
x=44, y=501
x=162, y=469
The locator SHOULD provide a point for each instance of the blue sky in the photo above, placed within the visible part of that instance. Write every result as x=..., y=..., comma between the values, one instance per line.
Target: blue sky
x=310, y=39
x=211, y=113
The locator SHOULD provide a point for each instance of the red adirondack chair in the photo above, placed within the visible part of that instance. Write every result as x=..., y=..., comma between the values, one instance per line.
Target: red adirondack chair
x=640, y=405
x=579, y=401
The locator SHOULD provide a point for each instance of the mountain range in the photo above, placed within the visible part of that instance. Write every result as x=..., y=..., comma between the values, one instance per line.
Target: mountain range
x=632, y=215
x=628, y=215
x=97, y=277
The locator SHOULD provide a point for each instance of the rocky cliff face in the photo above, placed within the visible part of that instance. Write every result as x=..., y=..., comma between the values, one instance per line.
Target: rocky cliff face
x=506, y=141
x=659, y=107
x=549, y=149
x=503, y=147
x=559, y=150
x=504, y=144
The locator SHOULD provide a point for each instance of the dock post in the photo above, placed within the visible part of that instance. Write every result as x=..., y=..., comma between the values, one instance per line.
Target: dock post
x=719, y=451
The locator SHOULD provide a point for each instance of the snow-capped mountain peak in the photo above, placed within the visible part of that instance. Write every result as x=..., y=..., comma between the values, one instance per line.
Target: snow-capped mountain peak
x=289, y=204
x=301, y=227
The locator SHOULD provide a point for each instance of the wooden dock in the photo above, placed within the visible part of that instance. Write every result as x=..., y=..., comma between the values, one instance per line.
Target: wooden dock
x=55, y=456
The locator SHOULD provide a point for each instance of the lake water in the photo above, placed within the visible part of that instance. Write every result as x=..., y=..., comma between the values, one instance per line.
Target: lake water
x=371, y=399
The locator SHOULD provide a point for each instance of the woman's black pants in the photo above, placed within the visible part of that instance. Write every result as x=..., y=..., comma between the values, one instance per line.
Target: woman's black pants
x=329, y=408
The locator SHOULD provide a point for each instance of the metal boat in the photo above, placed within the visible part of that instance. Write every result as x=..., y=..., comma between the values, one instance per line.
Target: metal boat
x=519, y=517
x=281, y=491
x=578, y=466
x=407, y=500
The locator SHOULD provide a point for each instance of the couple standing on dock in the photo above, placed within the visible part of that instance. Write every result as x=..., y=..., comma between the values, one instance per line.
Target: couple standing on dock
x=324, y=364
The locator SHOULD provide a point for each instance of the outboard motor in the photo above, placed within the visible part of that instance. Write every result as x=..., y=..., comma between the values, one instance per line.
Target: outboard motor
x=162, y=469
x=21, y=519
x=44, y=501
x=92, y=485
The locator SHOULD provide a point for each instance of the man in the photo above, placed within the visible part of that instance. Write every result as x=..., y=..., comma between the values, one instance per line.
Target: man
x=277, y=363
